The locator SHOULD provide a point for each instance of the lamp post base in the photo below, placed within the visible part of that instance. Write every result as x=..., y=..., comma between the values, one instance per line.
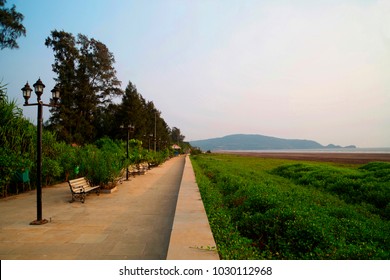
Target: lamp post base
x=39, y=222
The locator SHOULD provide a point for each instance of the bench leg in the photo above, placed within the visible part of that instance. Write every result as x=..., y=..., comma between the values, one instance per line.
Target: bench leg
x=78, y=196
x=74, y=197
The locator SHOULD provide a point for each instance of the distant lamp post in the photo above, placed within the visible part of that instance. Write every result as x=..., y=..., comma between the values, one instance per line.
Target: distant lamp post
x=130, y=128
x=150, y=137
x=26, y=90
x=155, y=130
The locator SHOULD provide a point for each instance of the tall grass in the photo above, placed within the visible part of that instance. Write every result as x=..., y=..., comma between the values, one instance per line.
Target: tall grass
x=255, y=212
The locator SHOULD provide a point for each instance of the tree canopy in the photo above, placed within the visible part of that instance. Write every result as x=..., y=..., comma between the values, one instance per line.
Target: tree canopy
x=176, y=135
x=88, y=81
x=11, y=26
x=149, y=126
x=87, y=78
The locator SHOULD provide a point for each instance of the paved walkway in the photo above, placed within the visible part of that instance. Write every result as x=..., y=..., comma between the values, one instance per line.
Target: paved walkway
x=135, y=222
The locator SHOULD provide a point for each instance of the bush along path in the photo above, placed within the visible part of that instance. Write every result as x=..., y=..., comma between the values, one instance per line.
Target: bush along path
x=279, y=209
x=102, y=162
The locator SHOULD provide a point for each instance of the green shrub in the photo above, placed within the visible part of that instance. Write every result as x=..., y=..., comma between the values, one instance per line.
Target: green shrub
x=102, y=163
x=137, y=154
x=10, y=163
x=51, y=153
x=275, y=217
x=157, y=158
x=17, y=138
x=230, y=244
x=68, y=159
x=368, y=185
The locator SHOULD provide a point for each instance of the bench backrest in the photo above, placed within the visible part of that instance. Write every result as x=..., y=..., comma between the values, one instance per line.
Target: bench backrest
x=79, y=183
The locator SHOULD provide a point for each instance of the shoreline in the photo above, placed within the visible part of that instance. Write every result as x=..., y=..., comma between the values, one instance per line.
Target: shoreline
x=339, y=157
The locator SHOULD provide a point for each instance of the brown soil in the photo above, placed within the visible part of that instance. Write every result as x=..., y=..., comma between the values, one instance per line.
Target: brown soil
x=353, y=158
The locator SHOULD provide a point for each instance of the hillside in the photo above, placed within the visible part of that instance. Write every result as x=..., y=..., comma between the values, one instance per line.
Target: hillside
x=258, y=142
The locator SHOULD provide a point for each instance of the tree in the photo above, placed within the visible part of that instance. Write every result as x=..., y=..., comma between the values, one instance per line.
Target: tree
x=145, y=118
x=132, y=111
x=163, y=133
x=108, y=124
x=88, y=82
x=64, y=118
x=11, y=26
x=176, y=136
x=156, y=126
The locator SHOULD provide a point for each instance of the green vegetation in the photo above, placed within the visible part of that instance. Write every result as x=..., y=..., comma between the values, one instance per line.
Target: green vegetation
x=86, y=76
x=11, y=26
x=16, y=141
x=281, y=209
x=83, y=136
x=102, y=162
x=368, y=184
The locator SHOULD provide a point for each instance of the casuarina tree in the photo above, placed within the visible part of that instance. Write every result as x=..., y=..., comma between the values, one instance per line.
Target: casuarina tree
x=88, y=82
x=11, y=26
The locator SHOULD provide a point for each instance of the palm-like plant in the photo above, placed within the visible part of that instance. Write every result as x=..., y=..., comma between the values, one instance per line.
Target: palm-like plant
x=16, y=141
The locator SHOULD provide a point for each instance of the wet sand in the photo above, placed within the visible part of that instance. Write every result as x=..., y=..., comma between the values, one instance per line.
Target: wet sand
x=352, y=158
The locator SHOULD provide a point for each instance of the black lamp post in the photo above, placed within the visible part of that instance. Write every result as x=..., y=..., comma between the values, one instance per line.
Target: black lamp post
x=38, y=88
x=129, y=128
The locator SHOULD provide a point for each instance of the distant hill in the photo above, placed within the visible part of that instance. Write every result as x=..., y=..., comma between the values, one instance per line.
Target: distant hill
x=258, y=142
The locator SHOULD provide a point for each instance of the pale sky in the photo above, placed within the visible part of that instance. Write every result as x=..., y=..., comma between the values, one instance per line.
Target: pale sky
x=302, y=69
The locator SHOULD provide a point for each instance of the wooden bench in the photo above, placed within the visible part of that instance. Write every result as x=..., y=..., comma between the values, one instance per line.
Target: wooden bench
x=80, y=187
x=143, y=168
x=139, y=169
x=132, y=170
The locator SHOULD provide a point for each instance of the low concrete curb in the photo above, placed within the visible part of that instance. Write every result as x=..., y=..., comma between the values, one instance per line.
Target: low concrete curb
x=191, y=237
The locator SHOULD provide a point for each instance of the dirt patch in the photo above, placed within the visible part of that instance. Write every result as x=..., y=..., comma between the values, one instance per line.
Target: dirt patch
x=353, y=158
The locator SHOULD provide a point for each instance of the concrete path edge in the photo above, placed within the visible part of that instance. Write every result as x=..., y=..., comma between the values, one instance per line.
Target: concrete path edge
x=191, y=236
